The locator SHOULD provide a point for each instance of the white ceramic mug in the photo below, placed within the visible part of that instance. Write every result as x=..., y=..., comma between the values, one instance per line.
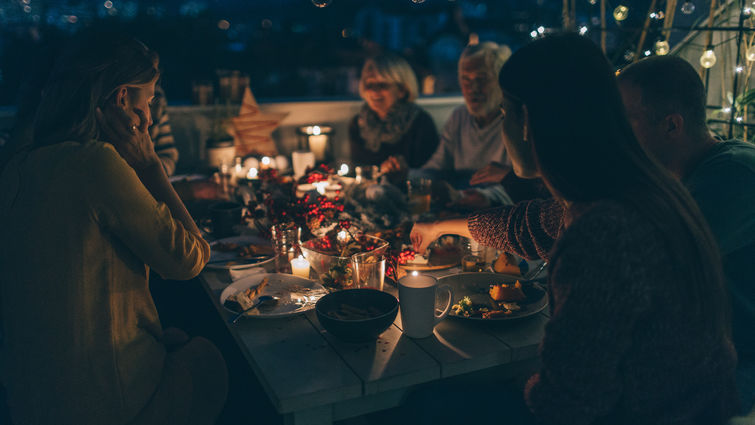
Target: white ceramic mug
x=416, y=294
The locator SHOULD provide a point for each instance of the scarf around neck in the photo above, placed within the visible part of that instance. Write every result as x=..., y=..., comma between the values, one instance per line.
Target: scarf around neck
x=376, y=132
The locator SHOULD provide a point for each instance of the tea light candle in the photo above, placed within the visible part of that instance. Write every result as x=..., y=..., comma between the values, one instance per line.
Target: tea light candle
x=252, y=174
x=320, y=186
x=265, y=163
x=343, y=170
x=318, y=142
x=300, y=267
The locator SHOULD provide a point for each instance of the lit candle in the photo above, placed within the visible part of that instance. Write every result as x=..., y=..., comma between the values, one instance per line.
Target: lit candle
x=300, y=267
x=265, y=162
x=252, y=174
x=342, y=236
x=343, y=170
x=317, y=142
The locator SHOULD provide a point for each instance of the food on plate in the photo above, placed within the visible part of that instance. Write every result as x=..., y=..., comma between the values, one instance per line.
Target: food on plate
x=495, y=313
x=507, y=263
x=507, y=292
x=243, y=300
x=349, y=312
x=490, y=310
x=243, y=250
x=465, y=308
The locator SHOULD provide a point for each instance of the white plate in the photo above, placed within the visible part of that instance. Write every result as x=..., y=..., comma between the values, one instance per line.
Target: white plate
x=296, y=294
x=230, y=260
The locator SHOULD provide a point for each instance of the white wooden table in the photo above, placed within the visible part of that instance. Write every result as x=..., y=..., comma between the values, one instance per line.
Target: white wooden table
x=313, y=378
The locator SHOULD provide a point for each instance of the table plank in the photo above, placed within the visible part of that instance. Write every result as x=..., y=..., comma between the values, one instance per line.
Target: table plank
x=462, y=347
x=288, y=356
x=522, y=335
x=390, y=362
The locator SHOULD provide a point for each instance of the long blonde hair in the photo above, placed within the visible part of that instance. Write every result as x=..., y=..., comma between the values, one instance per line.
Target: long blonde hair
x=87, y=73
x=393, y=69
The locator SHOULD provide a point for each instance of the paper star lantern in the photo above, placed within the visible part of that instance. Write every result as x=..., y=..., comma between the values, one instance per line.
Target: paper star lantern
x=252, y=128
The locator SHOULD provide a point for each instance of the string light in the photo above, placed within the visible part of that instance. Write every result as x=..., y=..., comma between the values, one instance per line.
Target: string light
x=747, y=11
x=621, y=12
x=541, y=29
x=708, y=58
x=533, y=34
x=648, y=52
x=661, y=47
x=726, y=110
x=739, y=69
x=583, y=30
x=688, y=8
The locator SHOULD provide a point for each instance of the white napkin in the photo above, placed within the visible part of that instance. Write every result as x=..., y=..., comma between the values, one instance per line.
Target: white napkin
x=241, y=273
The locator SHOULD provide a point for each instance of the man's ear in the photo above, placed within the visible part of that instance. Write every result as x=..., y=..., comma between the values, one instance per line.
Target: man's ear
x=120, y=98
x=674, y=124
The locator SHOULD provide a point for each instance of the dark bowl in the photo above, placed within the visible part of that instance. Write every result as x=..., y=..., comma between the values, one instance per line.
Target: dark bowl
x=357, y=315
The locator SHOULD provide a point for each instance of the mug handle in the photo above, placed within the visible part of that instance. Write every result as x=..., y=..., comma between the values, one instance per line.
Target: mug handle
x=448, y=306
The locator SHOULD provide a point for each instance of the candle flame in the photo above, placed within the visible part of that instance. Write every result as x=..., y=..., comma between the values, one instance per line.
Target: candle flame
x=343, y=170
x=252, y=174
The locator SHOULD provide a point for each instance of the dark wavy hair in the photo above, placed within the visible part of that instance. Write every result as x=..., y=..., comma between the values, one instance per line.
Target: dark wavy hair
x=586, y=151
x=85, y=75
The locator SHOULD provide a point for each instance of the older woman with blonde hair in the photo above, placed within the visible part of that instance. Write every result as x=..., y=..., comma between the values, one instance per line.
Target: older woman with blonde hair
x=390, y=124
x=92, y=211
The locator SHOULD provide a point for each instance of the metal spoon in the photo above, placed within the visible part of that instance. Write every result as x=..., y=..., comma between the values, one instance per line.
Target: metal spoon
x=262, y=300
x=533, y=273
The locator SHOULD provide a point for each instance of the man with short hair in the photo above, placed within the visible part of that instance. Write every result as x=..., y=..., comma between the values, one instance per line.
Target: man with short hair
x=471, y=137
x=665, y=102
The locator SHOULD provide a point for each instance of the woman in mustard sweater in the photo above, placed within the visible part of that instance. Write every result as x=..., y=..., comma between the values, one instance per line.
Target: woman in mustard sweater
x=88, y=211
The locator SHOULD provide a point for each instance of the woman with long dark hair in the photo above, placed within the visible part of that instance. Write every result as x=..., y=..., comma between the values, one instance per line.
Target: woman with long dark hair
x=89, y=210
x=639, y=329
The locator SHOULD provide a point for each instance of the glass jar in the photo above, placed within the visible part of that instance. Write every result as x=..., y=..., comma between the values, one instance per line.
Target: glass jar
x=473, y=259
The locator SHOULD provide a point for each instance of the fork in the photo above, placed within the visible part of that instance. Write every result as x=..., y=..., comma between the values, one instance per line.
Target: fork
x=262, y=300
x=533, y=273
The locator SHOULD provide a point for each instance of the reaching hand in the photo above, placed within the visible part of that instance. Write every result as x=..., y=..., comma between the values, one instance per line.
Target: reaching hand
x=393, y=164
x=491, y=173
x=129, y=136
x=422, y=235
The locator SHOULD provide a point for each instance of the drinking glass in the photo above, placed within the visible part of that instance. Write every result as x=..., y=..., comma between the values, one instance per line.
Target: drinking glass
x=419, y=192
x=286, y=239
x=368, y=270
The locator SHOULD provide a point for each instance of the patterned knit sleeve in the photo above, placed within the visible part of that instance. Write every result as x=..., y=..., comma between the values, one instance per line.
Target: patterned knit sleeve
x=528, y=229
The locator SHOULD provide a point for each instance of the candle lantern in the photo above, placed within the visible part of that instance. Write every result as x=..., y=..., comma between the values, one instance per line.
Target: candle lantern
x=316, y=139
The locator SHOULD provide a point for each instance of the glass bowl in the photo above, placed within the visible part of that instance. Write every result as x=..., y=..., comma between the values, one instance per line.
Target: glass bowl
x=332, y=262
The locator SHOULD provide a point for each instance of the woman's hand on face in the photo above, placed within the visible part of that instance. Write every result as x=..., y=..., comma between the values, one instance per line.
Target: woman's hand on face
x=491, y=173
x=422, y=235
x=128, y=134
